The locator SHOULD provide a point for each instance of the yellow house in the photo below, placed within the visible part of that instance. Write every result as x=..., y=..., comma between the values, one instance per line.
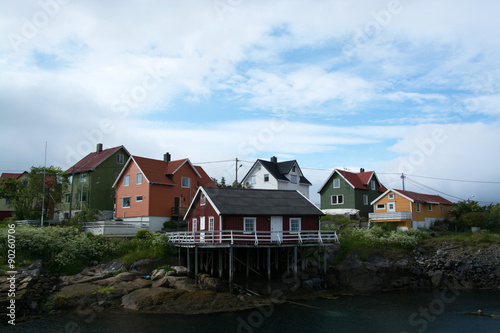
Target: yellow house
x=409, y=209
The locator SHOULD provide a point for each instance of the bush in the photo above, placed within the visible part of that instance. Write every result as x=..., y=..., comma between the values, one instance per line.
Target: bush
x=337, y=219
x=169, y=225
x=143, y=234
x=86, y=215
x=472, y=219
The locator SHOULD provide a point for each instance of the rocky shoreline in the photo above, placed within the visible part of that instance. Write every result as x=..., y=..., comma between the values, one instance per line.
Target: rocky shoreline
x=141, y=287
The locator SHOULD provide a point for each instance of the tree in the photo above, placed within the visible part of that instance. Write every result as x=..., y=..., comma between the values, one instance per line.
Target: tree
x=464, y=206
x=27, y=194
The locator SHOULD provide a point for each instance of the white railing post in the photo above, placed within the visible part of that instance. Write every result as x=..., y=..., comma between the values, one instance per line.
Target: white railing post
x=256, y=238
x=320, y=240
x=232, y=240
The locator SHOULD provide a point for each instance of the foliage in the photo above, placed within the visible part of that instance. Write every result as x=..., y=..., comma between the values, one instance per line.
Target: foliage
x=337, y=219
x=236, y=184
x=65, y=249
x=169, y=225
x=376, y=238
x=27, y=193
x=462, y=207
x=86, y=215
x=143, y=234
x=493, y=217
x=472, y=219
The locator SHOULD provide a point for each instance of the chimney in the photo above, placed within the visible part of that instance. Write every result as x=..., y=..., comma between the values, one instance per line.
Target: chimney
x=362, y=170
x=274, y=159
x=99, y=148
x=166, y=157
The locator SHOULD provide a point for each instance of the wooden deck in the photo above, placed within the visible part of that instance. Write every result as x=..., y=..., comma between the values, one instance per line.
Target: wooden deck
x=226, y=238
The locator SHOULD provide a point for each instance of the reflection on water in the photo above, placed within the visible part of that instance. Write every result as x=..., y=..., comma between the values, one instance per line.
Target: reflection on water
x=385, y=312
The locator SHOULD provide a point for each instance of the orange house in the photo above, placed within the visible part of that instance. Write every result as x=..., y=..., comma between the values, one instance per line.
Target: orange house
x=409, y=209
x=155, y=191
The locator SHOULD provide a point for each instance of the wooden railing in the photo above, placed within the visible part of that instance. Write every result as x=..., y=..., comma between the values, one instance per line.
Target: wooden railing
x=254, y=237
x=390, y=216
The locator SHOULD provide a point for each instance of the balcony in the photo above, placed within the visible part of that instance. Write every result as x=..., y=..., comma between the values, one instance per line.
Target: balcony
x=390, y=216
x=177, y=213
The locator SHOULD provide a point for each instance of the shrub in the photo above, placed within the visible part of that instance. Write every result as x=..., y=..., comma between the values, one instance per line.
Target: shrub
x=142, y=234
x=86, y=215
x=169, y=225
x=472, y=219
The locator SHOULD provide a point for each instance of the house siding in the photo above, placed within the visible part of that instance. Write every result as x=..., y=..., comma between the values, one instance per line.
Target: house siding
x=206, y=210
x=132, y=190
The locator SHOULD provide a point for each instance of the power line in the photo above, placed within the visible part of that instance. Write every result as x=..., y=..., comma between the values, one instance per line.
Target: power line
x=446, y=179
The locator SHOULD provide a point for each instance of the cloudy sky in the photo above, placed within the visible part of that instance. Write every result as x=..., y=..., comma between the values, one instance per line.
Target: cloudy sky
x=393, y=86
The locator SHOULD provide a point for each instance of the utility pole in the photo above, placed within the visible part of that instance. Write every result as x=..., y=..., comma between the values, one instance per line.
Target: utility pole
x=236, y=170
x=43, y=195
x=403, y=176
x=71, y=195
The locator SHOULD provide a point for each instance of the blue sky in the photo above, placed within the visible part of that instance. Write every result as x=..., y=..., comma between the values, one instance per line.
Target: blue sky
x=391, y=86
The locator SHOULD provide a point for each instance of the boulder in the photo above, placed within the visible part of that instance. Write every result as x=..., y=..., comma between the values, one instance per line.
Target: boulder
x=130, y=301
x=182, y=283
x=73, y=296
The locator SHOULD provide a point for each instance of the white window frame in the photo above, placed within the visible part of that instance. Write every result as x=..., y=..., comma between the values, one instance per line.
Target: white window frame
x=297, y=220
x=120, y=159
x=67, y=198
x=294, y=179
x=253, y=180
x=183, y=180
x=83, y=177
x=123, y=202
x=138, y=198
x=195, y=224
x=365, y=199
x=266, y=177
x=441, y=207
x=336, y=183
x=203, y=200
x=138, y=179
x=337, y=199
x=126, y=180
x=380, y=207
x=211, y=221
x=253, y=221
x=82, y=198
x=429, y=207
x=389, y=206
x=373, y=185
x=391, y=196
x=418, y=207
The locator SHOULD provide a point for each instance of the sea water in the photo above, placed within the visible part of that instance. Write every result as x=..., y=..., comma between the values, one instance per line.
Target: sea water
x=438, y=311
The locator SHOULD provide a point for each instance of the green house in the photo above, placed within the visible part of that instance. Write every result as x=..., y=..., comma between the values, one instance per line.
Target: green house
x=349, y=192
x=92, y=179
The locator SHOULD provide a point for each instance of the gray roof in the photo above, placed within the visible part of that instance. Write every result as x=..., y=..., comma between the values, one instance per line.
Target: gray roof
x=234, y=201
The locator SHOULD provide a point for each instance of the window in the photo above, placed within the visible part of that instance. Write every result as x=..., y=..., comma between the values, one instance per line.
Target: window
x=186, y=182
x=203, y=200
x=82, y=197
x=293, y=168
x=391, y=206
x=210, y=223
x=337, y=199
x=418, y=207
x=429, y=207
x=138, y=179
x=373, y=185
x=138, y=198
x=126, y=180
x=266, y=177
x=126, y=202
x=295, y=224
x=365, y=199
x=119, y=159
x=441, y=207
x=195, y=222
x=391, y=196
x=336, y=183
x=67, y=198
x=294, y=179
x=253, y=180
x=380, y=206
x=249, y=224
x=83, y=177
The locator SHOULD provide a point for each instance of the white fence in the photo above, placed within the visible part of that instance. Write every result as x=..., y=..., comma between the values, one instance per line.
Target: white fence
x=255, y=237
x=115, y=228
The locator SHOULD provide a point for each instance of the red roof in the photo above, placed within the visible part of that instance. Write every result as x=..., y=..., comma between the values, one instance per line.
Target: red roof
x=156, y=171
x=92, y=160
x=360, y=180
x=11, y=175
x=426, y=198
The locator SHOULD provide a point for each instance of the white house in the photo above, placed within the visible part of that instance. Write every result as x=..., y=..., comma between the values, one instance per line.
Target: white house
x=276, y=175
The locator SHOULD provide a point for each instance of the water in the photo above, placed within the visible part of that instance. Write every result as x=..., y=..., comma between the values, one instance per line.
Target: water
x=440, y=311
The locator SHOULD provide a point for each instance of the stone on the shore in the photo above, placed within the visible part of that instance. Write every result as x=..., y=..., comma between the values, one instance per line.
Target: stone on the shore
x=130, y=301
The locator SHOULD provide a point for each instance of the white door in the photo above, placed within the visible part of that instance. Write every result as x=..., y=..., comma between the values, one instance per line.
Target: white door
x=202, y=227
x=276, y=228
x=391, y=206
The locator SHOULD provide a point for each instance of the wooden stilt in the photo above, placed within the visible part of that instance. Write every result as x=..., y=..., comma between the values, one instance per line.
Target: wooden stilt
x=196, y=264
x=230, y=269
x=212, y=263
x=248, y=268
x=188, y=262
x=302, y=258
x=288, y=259
x=276, y=260
x=295, y=261
x=324, y=259
x=220, y=254
x=269, y=270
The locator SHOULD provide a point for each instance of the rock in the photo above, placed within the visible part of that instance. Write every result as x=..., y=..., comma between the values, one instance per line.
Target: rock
x=73, y=296
x=130, y=301
x=163, y=282
x=157, y=274
x=180, y=270
x=182, y=283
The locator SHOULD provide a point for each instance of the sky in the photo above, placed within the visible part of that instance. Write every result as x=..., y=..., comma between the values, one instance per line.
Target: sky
x=398, y=87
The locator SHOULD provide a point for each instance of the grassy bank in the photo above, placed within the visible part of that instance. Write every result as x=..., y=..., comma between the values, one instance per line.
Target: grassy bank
x=68, y=250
